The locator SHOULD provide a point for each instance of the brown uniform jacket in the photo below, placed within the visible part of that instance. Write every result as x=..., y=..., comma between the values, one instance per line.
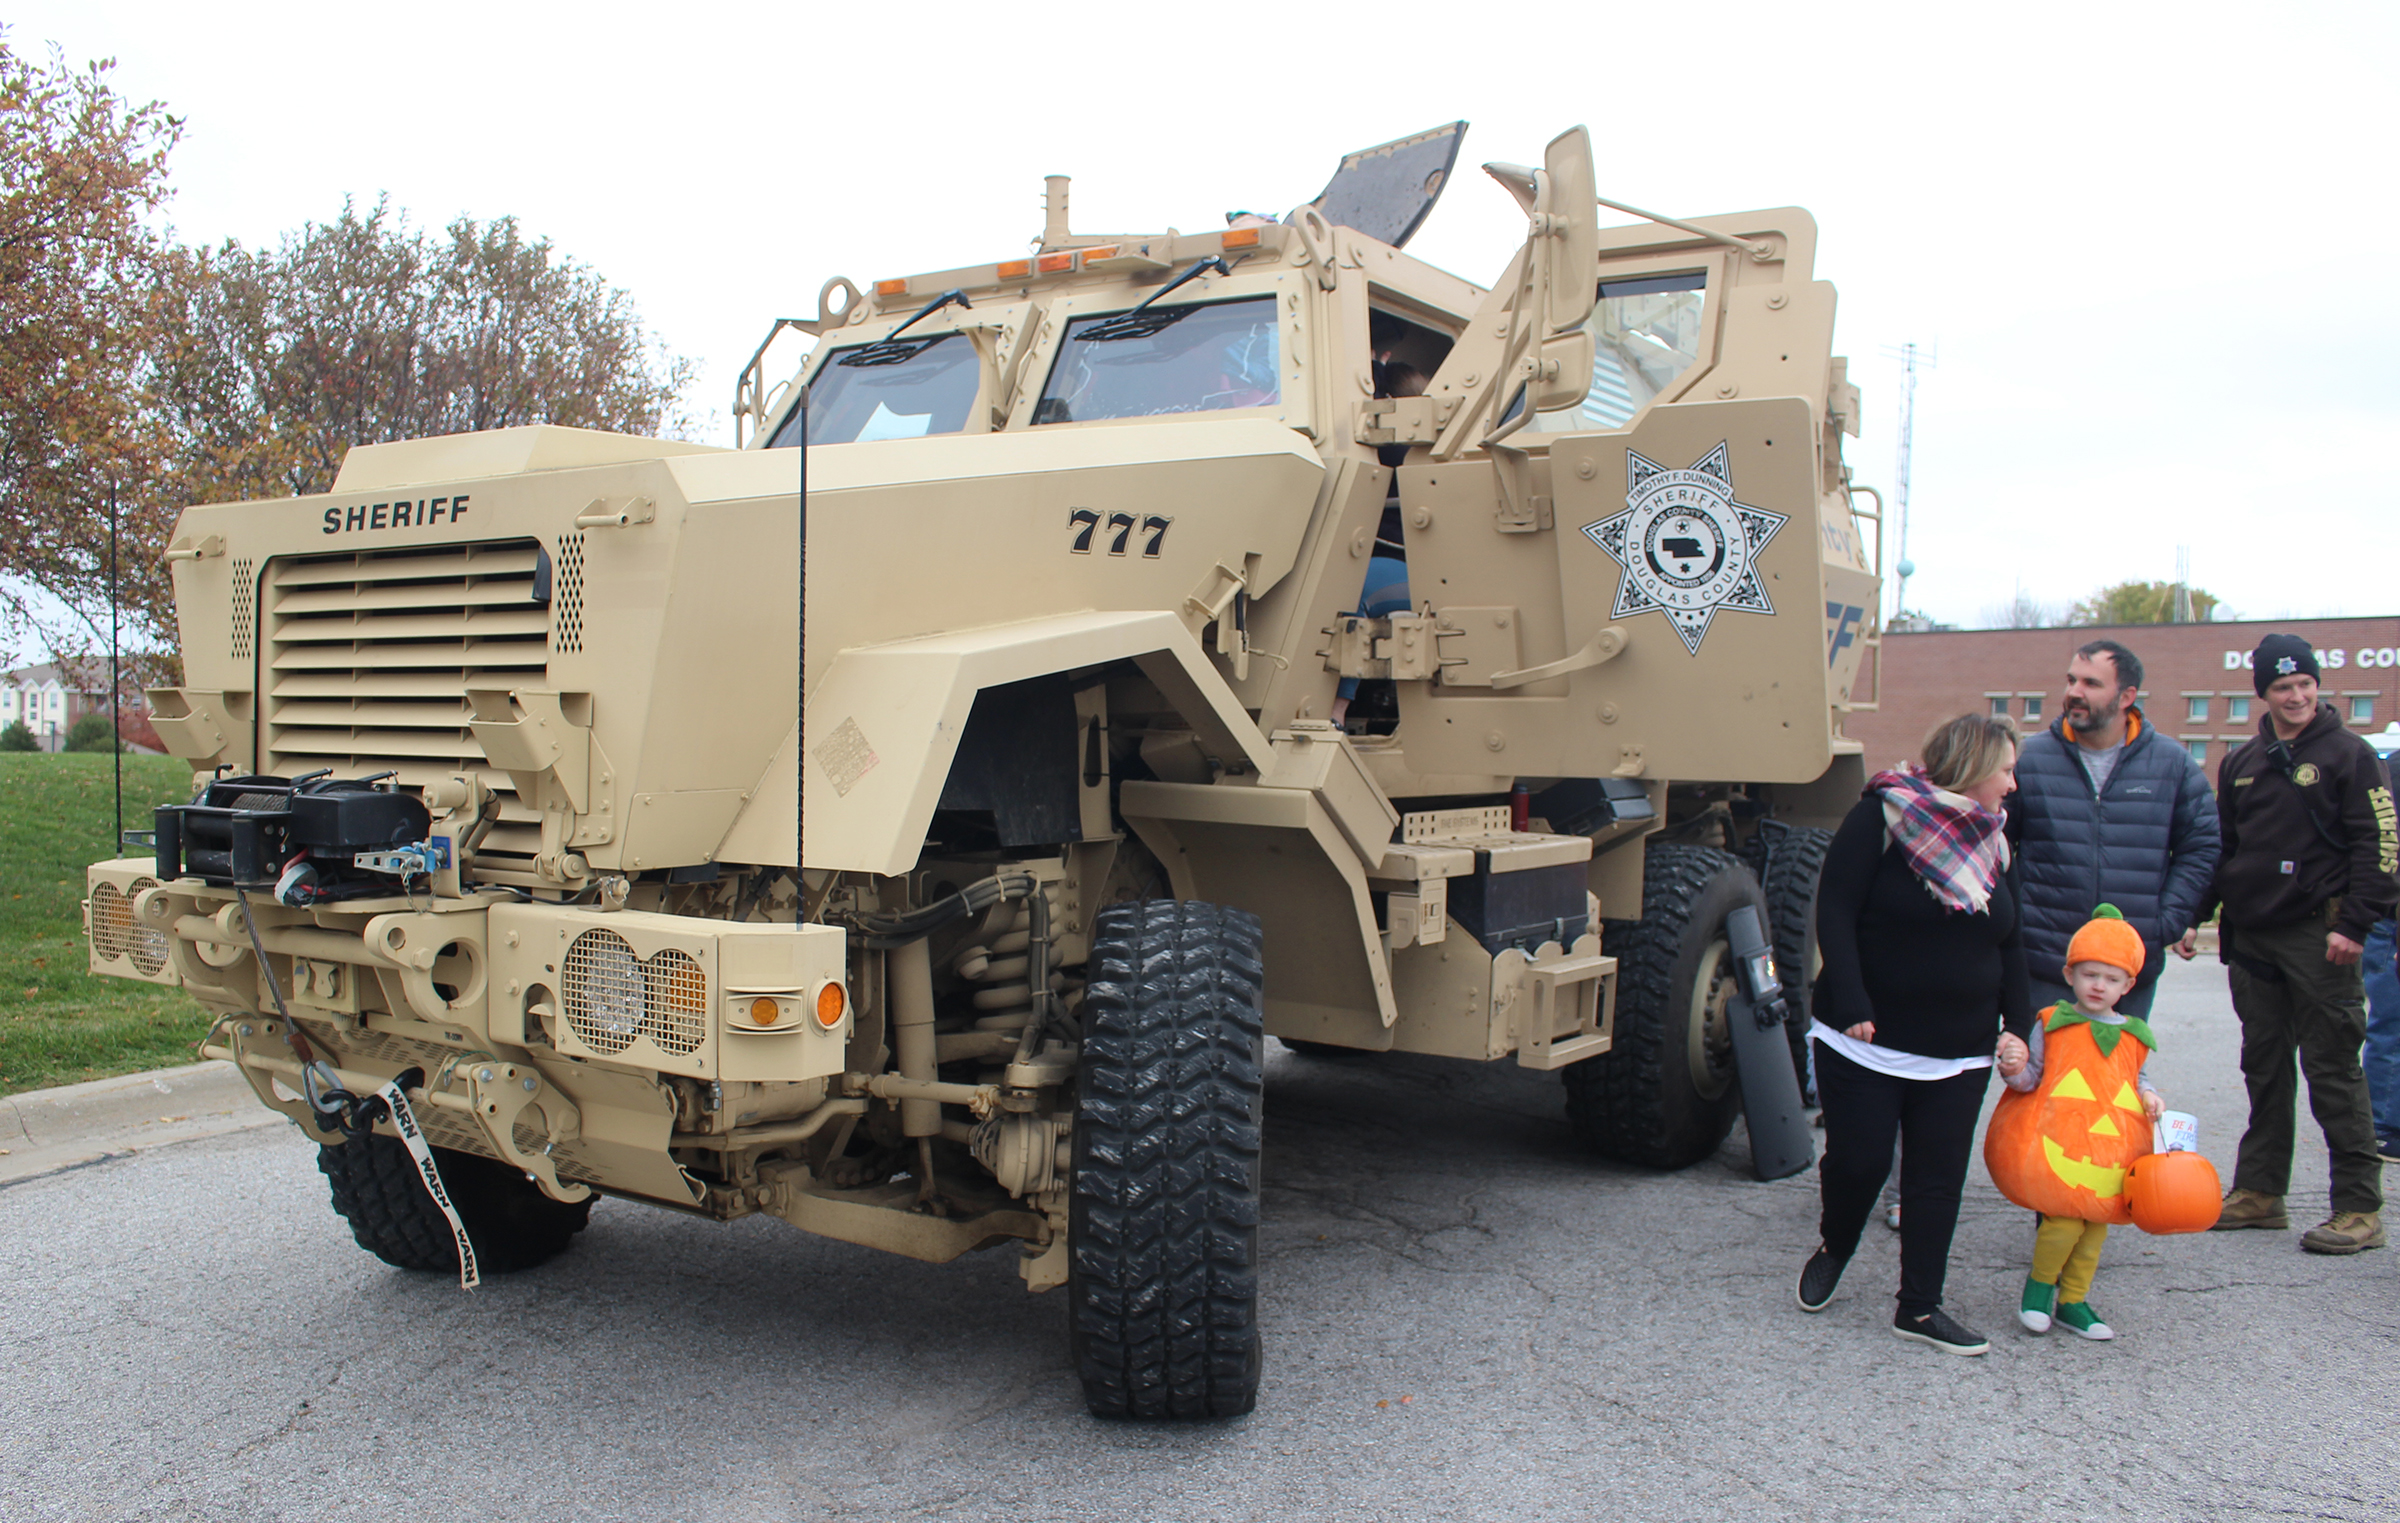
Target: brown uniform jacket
x=2313, y=825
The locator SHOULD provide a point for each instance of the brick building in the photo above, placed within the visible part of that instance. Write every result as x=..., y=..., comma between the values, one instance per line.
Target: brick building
x=2195, y=682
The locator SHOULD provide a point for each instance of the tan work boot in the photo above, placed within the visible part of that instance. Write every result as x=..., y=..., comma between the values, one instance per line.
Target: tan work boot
x=2249, y=1208
x=2345, y=1232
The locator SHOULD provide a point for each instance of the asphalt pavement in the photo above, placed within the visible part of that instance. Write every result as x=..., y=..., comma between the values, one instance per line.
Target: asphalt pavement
x=1465, y=1318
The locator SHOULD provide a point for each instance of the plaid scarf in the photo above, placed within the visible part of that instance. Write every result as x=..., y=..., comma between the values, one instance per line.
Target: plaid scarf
x=1952, y=842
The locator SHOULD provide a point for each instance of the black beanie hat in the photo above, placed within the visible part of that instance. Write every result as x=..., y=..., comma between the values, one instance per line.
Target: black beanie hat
x=2281, y=656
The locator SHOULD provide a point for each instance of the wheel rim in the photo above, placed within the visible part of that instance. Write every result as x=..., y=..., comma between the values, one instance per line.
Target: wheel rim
x=1708, y=1034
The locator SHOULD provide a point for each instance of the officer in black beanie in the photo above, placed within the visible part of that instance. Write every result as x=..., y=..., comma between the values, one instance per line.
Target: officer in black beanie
x=2282, y=656
x=2310, y=845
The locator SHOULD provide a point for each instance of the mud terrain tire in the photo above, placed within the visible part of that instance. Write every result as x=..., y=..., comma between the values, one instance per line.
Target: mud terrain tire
x=1789, y=862
x=1163, y=1222
x=511, y=1222
x=1640, y=1101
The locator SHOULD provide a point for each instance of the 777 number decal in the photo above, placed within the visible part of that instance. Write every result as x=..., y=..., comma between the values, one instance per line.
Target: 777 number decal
x=1086, y=523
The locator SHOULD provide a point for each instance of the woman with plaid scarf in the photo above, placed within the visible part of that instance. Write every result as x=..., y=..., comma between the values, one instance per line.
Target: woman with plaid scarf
x=1917, y=919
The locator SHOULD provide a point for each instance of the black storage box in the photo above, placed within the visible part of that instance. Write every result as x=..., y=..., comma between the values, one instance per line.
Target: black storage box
x=1520, y=909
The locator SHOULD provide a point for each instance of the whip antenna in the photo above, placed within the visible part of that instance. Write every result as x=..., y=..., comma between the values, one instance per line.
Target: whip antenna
x=116, y=684
x=800, y=713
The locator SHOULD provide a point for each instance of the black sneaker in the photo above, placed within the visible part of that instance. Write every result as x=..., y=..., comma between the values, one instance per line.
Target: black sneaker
x=1818, y=1277
x=1938, y=1329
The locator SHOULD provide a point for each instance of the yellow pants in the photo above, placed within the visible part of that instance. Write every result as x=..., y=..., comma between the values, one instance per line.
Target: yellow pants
x=2066, y=1253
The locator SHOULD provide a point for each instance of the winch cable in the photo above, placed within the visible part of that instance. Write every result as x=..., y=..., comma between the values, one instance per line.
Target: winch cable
x=356, y=1116
x=313, y=1069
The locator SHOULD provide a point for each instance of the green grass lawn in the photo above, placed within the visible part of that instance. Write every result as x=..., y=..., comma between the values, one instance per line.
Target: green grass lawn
x=59, y=1023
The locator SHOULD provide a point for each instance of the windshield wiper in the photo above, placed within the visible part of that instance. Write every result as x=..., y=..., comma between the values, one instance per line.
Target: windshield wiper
x=888, y=350
x=1143, y=323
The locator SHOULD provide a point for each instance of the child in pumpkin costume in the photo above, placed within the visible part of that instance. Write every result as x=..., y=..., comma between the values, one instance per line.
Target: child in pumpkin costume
x=2077, y=1113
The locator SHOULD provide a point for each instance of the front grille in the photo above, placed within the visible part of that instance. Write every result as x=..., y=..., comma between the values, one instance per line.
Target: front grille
x=370, y=654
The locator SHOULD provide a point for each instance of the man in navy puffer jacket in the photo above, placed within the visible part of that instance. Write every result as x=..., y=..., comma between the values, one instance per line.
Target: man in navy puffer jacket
x=2108, y=811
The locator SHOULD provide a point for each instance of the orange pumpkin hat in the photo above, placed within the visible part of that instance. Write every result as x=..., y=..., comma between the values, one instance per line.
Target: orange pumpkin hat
x=2107, y=938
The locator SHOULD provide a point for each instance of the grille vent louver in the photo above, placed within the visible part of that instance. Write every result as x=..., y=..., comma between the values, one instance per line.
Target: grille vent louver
x=566, y=599
x=245, y=606
x=369, y=655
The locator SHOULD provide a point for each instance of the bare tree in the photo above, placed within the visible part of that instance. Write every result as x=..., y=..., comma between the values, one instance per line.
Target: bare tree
x=2022, y=611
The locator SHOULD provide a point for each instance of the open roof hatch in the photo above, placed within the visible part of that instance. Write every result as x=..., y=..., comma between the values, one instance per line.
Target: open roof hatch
x=1386, y=191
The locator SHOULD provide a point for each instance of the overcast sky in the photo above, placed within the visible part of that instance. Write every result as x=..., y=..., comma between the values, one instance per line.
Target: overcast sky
x=2146, y=240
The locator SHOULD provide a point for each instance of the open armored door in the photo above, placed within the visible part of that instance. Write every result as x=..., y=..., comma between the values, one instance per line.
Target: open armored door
x=1622, y=546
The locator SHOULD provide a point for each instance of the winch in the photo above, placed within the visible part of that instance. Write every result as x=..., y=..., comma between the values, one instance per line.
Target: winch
x=311, y=838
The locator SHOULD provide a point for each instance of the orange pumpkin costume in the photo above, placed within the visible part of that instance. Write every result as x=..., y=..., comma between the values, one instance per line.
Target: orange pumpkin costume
x=2062, y=1148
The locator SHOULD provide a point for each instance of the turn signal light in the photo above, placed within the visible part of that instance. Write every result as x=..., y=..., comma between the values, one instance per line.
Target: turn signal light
x=763, y=1011
x=831, y=1005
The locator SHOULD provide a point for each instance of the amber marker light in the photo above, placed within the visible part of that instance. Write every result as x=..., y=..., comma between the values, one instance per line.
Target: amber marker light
x=831, y=1004
x=1013, y=269
x=763, y=1011
x=1104, y=251
x=1055, y=264
x=891, y=288
x=1240, y=238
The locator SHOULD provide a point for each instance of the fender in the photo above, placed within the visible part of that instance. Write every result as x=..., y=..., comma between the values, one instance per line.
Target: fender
x=884, y=723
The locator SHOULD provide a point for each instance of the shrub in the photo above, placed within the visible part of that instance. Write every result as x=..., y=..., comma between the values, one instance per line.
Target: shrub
x=18, y=737
x=92, y=732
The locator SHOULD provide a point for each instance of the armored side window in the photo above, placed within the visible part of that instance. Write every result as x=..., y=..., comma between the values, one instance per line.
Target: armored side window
x=901, y=389
x=1646, y=331
x=1202, y=358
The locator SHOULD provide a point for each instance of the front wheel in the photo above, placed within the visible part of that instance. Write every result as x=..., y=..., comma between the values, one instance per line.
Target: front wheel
x=512, y=1224
x=1163, y=1221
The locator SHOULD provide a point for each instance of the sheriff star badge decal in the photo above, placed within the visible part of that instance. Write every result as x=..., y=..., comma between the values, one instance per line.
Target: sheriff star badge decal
x=1688, y=548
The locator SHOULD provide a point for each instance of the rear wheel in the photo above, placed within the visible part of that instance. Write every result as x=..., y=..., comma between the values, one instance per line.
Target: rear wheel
x=1663, y=1095
x=1163, y=1223
x=512, y=1224
x=1789, y=861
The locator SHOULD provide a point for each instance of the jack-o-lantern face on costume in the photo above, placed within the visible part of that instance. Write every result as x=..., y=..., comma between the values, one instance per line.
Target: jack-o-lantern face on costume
x=2063, y=1148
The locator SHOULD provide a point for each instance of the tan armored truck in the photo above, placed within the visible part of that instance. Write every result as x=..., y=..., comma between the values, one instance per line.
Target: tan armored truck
x=515, y=879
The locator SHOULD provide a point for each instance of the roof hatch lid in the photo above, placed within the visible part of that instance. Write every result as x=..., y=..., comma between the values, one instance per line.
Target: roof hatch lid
x=1387, y=191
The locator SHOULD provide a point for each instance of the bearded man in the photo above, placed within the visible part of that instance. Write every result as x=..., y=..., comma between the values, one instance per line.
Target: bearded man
x=2108, y=811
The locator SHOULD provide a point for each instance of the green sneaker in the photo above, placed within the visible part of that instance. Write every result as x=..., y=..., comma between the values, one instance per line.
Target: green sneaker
x=2035, y=1306
x=2077, y=1317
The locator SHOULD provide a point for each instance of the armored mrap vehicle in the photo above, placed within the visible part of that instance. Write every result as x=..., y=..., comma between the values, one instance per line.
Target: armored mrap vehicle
x=1206, y=637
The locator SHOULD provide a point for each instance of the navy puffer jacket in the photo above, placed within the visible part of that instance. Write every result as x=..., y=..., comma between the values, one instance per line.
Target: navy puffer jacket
x=2147, y=843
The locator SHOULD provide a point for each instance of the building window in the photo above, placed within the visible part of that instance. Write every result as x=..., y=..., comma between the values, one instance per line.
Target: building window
x=2000, y=706
x=2362, y=708
x=2196, y=710
x=2033, y=708
x=2237, y=710
x=2199, y=750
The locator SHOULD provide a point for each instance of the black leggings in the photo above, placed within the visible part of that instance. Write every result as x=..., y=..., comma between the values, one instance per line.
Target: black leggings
x=1934, y=1120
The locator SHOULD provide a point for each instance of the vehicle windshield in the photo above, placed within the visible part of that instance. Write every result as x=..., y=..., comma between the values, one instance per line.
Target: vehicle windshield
x=1645, y=332
x=1173, y=359
x=910, y=388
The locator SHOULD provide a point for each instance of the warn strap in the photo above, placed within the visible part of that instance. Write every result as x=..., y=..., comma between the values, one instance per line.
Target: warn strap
x=404, y=1121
